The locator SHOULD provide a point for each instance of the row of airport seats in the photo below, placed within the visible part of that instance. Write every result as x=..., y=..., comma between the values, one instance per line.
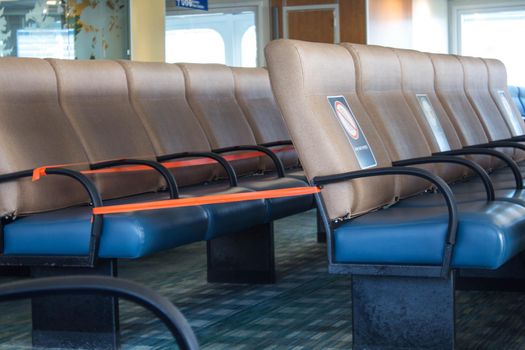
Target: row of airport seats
x=83, y=134
x=421, y=162
x=518, y=96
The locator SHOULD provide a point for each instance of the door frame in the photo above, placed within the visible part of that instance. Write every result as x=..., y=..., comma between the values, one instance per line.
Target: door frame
x=334, y=7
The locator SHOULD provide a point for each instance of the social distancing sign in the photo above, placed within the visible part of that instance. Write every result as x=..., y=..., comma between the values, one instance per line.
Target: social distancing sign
x=353, y=131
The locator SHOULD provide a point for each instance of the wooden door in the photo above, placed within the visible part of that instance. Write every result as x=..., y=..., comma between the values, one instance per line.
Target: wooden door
x=312, y=23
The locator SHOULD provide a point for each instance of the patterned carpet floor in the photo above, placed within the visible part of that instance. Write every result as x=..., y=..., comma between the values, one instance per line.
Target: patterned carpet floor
x=306, y=309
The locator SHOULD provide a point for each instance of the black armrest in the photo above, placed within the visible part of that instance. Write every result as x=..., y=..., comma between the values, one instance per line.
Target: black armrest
x=520, y=138
x=487, y=183
x=490, y=152
x=441, y=185
x=165, y=173
x=500, y=144
x=278, y=164
x=232, y=177
x=277, y=143
x=133, y=292
x=94, y=196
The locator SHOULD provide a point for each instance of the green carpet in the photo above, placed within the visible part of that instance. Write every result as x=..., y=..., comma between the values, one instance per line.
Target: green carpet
x=306, y=309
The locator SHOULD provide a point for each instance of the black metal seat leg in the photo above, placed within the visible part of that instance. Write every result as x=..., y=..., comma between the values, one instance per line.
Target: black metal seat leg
x=244, y=257
x=321, y=232
x=403, y=312
x=76, y=320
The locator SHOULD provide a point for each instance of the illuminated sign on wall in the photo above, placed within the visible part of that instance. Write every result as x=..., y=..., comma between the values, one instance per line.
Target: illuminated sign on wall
x=193, y=4
x=49, y=43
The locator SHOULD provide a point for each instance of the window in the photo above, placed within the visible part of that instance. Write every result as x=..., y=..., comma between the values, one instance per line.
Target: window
x=492, y=34
x=218, y=37
x=248, y=42
x=182, y=46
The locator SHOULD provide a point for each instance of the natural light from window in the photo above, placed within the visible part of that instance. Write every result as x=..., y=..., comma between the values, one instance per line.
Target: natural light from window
x=221, y=37
x=248, y=54
x=495, y=35
x=184, y=48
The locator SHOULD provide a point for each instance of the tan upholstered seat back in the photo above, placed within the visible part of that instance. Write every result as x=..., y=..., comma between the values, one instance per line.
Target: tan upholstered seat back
x=497, y=77
x=417, y=74
x=450, y=89
x=380, y=92
x=94, y=95
x=303, y=76
x=158, y=95
x=34, y=133
x=476, y=88
x=255, y=96
x=210, y=91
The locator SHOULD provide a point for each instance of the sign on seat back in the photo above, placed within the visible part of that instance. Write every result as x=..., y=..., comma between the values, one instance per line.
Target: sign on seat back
x=450, y=89
x=381, y=94
x=94, y=95
x=311, y=82
x=158, y=95
x=497, y=76
x=211, y=95
x=34, y=133
x=254, y=95
x=417, y=78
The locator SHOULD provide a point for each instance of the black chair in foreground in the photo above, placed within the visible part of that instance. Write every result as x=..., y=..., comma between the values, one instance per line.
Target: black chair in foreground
x=160, y=306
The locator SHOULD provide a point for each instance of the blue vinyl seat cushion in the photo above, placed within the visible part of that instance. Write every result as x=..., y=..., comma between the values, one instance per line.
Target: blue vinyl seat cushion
x=468, y=192
x=228, y=217
x=488, y=236
x=516, y=98
x=279, y=207
x=297, y=174
x=128, y=235
x=521, y=95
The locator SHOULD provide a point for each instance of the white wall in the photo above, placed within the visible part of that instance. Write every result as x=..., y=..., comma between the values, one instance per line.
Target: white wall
x=430, y=25
x=410, y=24
x=389, y=23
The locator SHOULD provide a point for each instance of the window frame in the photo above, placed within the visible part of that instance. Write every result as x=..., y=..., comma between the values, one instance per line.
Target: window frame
x=262, y=16
x=465, y=7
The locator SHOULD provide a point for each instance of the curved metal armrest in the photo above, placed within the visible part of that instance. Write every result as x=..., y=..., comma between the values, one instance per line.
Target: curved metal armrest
x=232, y=176
x=441, y=185
x=165, y=173
x=160, y=306
x=487, y=183
x=500, y=144
x=520, y=138
x=490, y=152
x=277, y=143
x=94, y=196
x=276, y=160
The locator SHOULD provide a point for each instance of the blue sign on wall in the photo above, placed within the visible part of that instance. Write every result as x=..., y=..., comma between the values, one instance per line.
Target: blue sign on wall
x=194, y=4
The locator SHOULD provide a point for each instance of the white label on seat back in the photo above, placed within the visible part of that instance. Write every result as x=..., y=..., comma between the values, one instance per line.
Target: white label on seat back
x=353, y=131
x=509, y=115
x=433, y=121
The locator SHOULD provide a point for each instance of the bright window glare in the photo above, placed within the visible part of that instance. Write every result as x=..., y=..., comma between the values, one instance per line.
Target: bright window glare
x=249, y=48
x=494, y=35
x=225, y=37
x=195, y=45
